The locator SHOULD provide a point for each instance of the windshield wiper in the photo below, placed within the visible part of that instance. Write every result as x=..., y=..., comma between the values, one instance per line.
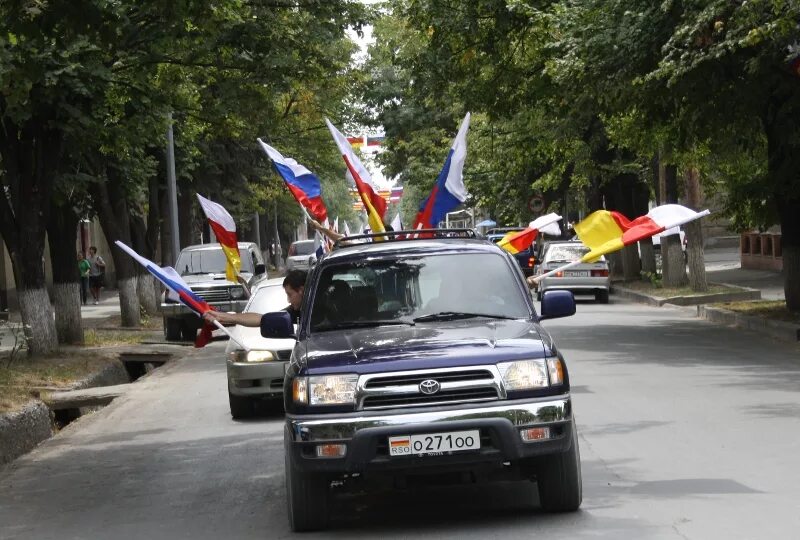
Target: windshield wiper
x=361, y=324
x=453, y=315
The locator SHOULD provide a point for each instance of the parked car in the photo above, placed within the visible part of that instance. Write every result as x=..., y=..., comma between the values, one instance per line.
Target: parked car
x=301, y=256
x=257, y=373
x=526, y=258
x=409, y=369
x=591, y=278
x=203, y=268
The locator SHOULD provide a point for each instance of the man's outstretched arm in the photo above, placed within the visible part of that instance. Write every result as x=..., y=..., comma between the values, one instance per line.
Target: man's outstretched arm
x=244, y=319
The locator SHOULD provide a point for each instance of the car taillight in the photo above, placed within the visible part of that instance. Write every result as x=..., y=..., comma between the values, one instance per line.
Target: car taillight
x=531, y=260
x=599, y=273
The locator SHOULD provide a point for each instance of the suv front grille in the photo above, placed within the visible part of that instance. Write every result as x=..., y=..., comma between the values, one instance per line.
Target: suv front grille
x=455, y=385
x=444, y=396
x=416, y=379
x=213, y=295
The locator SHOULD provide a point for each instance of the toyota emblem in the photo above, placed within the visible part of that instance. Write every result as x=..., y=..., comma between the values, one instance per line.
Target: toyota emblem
x=429, y=386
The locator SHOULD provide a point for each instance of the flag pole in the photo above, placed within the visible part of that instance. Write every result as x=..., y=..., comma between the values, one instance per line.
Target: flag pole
x=219, y=325
x=537, y=279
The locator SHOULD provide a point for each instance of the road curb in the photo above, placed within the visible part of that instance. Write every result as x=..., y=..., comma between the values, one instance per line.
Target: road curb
x=21, y=431
x=741, y=295
x=783, y=331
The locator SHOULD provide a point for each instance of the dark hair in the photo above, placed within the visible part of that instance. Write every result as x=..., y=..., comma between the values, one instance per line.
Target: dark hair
x=93, y=248
x=295, y=279
x=388, y=228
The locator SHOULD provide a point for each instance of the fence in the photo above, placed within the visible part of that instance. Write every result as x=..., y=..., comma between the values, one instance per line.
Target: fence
x=761, y=251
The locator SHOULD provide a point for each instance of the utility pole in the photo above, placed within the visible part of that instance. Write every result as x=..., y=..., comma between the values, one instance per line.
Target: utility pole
x=172, y=193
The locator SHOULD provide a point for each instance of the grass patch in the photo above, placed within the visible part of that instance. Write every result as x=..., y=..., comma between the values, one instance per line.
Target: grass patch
x=769, y=309
x=94, y=337
x=22, y=380
x=669, y=292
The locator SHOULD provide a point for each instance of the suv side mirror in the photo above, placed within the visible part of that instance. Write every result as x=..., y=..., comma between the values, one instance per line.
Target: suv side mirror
x=261, y=268
x=556, y=304
x=277, y=324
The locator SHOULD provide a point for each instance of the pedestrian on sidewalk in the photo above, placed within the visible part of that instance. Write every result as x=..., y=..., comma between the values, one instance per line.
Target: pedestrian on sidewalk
x=96, y=274
x=84, y=267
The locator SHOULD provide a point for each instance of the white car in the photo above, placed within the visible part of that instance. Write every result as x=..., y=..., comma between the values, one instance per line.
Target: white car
x=584, y=278
x=257, y=373
x=302, y=255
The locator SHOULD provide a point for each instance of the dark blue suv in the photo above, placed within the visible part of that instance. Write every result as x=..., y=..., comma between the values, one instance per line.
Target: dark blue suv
x=424, y=360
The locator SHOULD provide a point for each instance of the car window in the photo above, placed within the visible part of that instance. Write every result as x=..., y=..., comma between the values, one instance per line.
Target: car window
x=407, y=288
x=268, y=298
x=304, y=247
x=209, y=261
x=566, y=253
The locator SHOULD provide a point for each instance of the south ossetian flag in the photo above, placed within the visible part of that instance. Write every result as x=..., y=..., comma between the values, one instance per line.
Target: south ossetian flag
x=221, y=222
x=302, y=183
x=449, y=190
x=607, y=231
x=374, y=204
x=514, y=242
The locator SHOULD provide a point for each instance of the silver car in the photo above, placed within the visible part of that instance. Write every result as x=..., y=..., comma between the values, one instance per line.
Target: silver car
x=584, y=278
x=302, y=255
x=257, y=373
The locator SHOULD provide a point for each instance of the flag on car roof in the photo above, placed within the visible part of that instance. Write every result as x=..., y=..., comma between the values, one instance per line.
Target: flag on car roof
x=302, y=183
x=221, y=222
x=607, y=231
x=517, y=241
x=449, y=191
x=177, y=289
x=374, y=204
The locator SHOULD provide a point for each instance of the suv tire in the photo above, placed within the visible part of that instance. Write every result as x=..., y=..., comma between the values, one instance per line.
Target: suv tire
x=559, y=479
x=601, y=296
x=172, y=329
x=306, y=496
x=241, y=407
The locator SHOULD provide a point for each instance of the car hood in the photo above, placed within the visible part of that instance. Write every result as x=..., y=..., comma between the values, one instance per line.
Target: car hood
x=251, y=338
x=423, y=346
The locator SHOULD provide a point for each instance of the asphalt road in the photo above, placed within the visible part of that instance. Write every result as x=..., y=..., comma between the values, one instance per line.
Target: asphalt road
x=688, y=430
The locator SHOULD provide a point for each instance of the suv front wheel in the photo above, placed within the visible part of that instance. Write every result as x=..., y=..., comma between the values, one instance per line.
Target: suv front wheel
x=559, y=479
x=306, y=496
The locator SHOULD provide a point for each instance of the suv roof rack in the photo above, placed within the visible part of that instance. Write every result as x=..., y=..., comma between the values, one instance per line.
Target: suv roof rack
x=413, y=234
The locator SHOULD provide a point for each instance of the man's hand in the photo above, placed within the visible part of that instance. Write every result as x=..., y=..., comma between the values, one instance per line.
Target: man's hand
x=532, y=281
x=223, y=318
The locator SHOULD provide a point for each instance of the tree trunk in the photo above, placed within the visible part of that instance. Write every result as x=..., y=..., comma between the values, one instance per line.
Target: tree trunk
x=631, y=266
x=789, y=212
x=615, y=264
x=145, y=282
x=112, y=208
x=694, y=234
x=673, y=261
x=277, y=239
x=30, y=157
x=62, y=229
x=648, y=256
x=695, y=256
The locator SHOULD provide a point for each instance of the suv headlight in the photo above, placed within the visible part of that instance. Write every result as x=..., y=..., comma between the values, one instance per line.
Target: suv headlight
x=325, y=389
x=531, y=374
x=251, y=356
x=237, y=293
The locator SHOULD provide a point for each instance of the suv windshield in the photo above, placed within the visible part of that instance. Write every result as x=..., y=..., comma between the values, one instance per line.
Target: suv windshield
x=209, y=261
x=416, y=290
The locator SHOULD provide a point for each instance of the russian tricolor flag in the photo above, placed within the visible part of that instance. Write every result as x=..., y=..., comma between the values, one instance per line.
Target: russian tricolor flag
x=303, y=184
x=177, y=290
x=449, y=191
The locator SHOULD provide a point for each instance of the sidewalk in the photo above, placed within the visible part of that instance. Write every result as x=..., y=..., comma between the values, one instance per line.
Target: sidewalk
x=722, y=266
x=108, y=307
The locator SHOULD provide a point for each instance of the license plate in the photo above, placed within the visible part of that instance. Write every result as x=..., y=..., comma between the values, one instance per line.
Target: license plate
x=576, y=273
x=434, y=443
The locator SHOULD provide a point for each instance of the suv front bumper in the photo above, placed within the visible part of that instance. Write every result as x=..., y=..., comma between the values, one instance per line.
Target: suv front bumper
x=366, y=433
x=171, y=309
